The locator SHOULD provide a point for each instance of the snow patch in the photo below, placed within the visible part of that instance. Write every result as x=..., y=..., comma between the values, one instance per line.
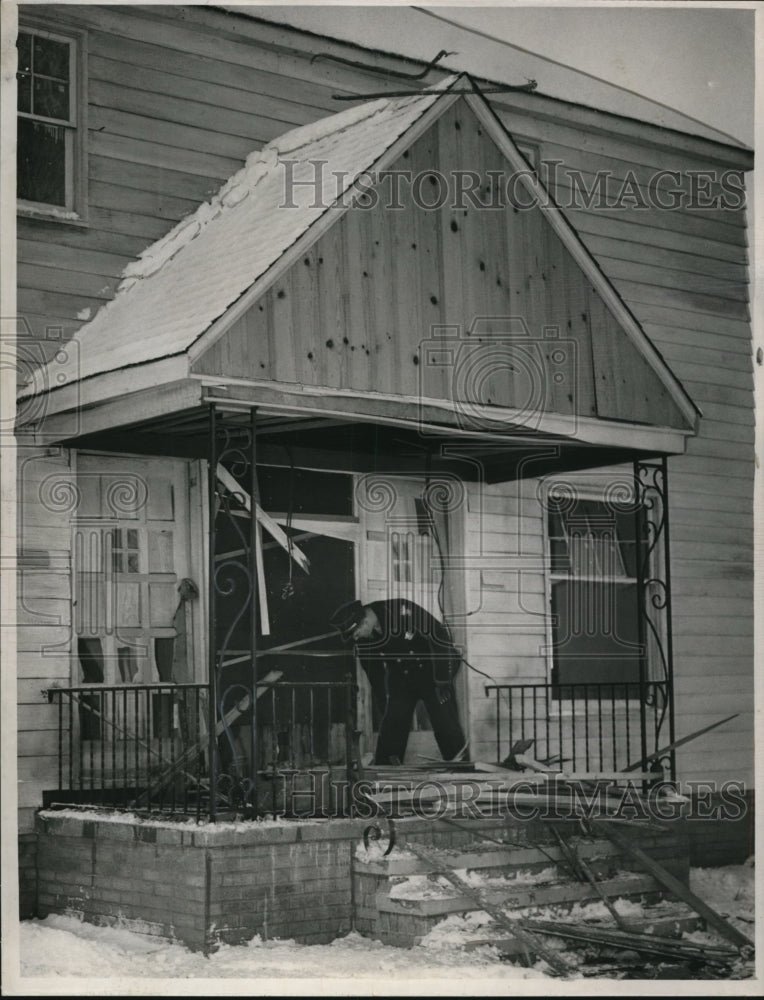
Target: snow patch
x=96, y=816
x=420, y=887
x=62, y=947
x=479, y=878
x=376, y=852
x=84, y=314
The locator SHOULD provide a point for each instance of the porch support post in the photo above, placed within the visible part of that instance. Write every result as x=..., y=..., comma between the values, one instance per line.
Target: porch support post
x=254, y=494
x=669, y=621
x=212, y=696
x=232, y=612
x=654, y=599
x=642, y=573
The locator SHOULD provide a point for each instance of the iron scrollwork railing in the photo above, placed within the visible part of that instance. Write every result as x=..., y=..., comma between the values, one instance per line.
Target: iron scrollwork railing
x=579, y=727
x=654, y=596
x=232, y=615
x=143, y=747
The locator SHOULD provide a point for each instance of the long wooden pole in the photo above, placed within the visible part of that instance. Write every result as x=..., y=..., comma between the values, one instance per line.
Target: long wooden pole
x=668, y=881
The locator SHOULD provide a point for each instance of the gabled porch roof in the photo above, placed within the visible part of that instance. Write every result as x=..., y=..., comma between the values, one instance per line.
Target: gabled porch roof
x=133, y=364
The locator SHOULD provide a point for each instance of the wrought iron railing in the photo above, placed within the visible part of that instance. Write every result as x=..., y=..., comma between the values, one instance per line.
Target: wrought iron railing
x=145, y=747
x=583, y=727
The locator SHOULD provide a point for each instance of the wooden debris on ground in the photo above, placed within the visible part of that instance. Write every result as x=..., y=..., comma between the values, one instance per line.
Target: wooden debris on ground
x=191, y=753
x=648, y=944
x=679, y=889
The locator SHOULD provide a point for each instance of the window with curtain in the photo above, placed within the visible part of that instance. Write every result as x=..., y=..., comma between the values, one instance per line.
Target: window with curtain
x=594, y=599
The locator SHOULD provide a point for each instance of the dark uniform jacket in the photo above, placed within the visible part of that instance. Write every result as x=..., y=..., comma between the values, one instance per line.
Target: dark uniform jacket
x=412, y=644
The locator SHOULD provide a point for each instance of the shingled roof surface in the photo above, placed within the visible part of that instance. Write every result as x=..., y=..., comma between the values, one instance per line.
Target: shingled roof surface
x=185, y=281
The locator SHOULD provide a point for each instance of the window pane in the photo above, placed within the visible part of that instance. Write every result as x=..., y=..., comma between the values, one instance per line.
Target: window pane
x=41, y=162
x=116, y=562
x=51, y=99
x=305, y=491
x=24, y=92
x=132, y=538
x=559, y=553
x=128, y=665
x=24, y=46
x=625, y=525
x=596, y=633
x=51, y=58
x=555, y=525
x=132, y=563
x=627, y=543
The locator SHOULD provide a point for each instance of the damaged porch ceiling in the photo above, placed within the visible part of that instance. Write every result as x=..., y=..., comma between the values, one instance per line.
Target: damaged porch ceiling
x=347, y=445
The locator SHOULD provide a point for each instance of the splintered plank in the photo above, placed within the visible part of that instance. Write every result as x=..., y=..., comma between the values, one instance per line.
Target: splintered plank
x=679, y=889
x=514, y=925
x=506, y=895
x=651, y=944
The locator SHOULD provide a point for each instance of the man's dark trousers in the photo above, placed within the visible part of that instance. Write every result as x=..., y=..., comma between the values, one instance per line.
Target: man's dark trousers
x=401, y=699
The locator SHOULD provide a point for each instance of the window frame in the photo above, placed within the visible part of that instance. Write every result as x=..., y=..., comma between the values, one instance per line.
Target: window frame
x=74, y=211
x=586, y=491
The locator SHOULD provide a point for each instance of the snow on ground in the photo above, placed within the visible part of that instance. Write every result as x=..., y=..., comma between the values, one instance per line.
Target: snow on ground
x=65, y=948
x=731, y=892
x=63, y=955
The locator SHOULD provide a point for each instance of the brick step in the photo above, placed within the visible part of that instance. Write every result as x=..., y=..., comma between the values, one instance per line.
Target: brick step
x=601, y=856
x=440, y=900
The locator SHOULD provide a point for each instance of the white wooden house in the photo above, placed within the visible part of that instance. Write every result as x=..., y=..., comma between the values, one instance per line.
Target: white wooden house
x=484, y=387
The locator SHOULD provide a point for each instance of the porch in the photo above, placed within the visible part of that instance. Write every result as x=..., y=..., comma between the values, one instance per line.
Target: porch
x=176, y=745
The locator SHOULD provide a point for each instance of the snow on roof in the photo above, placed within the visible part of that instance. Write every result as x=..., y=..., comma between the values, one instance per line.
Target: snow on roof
x=186, y=280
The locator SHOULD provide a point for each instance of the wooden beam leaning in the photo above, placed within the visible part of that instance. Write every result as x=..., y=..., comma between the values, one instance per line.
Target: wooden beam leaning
x=191, y=753
x=275, y=530
x=179, y=766
x=514, y=925
x=679, y=889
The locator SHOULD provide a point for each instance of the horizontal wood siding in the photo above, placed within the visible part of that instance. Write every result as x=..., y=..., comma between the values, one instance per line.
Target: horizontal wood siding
x=174, y=108
x=360, y=310
x=43, y=619
x=684, y=276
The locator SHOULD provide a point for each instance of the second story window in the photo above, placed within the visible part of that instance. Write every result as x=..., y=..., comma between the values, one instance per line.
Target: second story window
x=47, y=162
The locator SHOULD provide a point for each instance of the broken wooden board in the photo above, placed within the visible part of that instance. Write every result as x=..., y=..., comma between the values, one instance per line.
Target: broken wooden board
x=550, y=773
x=273, y=529
x=651, y=944
x=513, y=925
x=679, y=889
x=191, y=753
x=678, y=743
